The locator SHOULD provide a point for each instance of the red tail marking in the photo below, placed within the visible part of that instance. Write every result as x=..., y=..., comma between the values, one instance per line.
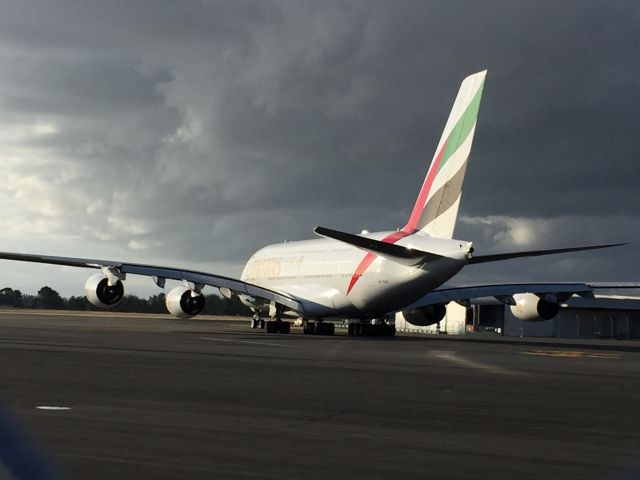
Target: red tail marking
x=414, y=219
x=411, y=225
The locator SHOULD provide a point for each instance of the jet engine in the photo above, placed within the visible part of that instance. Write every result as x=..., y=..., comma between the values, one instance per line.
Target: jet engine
x=182, y=302
x=425, y=316
x=532, y=308
x=100, y=293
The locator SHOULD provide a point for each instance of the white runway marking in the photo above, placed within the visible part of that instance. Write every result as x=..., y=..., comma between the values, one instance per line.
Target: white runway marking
x=463, y=362
x=52, y=407
x=268, y=344
x=573, y=354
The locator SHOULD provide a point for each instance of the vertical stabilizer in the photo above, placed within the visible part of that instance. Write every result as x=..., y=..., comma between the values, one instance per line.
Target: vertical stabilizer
x=437, y=205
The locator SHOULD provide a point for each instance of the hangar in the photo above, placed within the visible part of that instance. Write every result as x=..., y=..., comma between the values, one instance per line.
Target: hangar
x=605, y=317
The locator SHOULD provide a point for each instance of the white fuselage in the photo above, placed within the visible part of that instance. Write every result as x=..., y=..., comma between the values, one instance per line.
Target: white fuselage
x=329, y=277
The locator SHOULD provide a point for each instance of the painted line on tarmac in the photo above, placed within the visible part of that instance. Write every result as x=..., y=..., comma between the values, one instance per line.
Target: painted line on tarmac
x=268, y=344
x=53, y=407
x=572, y=354
x=464, y=362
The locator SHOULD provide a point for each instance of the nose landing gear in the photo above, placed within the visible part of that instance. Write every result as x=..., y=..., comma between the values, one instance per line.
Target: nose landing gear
x=257, y=321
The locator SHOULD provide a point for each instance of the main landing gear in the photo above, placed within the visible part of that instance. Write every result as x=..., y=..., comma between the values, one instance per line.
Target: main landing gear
x=367, y=329
x=278, y=326
x=271, y=326
x=318, y=327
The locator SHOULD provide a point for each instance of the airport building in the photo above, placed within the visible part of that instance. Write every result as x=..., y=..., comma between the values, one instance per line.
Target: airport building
x=606, y=317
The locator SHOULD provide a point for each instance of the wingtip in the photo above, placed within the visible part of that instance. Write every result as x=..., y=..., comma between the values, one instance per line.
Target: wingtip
x=621, y=244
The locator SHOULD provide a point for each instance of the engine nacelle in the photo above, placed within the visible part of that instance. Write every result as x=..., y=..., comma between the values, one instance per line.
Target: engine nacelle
x=531, y=308
x=182, y=302
x=100, y=293
x=425, y=316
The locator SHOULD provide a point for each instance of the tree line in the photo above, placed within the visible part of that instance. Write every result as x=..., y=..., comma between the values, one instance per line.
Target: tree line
x=48, y=298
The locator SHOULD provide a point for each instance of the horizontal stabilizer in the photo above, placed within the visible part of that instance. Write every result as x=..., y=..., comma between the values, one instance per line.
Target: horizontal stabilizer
x=536, y=253
x=396, y=253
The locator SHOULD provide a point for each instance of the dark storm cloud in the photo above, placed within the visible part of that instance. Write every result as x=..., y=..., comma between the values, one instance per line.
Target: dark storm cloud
x=158, y=131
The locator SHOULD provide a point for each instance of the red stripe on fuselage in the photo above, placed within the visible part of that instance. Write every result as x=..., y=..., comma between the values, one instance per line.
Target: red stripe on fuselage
x=370, y=257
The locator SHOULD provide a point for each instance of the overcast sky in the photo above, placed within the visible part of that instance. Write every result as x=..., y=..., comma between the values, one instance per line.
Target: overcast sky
x=191, y=133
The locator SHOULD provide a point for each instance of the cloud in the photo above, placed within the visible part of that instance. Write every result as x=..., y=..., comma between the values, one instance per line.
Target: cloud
x=496, y=234
x=504, y=232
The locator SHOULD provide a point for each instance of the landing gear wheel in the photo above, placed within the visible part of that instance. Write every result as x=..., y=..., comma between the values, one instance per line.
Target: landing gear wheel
x=256, y=321
x=308, y=328
x=390, y=331
x=371, y=330
x=325, y=328
x=278, y=326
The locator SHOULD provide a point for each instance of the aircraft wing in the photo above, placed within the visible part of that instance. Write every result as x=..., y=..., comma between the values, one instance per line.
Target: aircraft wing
x=463, y=294
x=158, y=272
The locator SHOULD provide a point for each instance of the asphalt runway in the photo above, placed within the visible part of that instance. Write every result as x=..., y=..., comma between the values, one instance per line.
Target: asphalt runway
x=158, y=398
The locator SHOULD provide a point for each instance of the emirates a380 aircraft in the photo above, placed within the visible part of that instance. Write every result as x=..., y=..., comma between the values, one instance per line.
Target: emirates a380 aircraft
x=359, y=277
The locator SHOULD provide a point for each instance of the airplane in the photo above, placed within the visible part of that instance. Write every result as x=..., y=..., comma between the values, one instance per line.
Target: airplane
x=364, y=278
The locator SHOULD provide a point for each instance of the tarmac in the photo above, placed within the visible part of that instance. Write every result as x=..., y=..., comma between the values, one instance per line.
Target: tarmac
x=151, y=397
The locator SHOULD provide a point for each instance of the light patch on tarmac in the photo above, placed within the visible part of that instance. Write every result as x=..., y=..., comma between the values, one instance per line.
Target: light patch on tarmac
x=53, y=407
x=455, y=358
x=267, y=344
x=571, y=354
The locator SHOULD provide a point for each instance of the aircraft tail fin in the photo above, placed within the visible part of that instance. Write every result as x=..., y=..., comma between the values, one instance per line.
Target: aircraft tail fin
x=436, y=207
